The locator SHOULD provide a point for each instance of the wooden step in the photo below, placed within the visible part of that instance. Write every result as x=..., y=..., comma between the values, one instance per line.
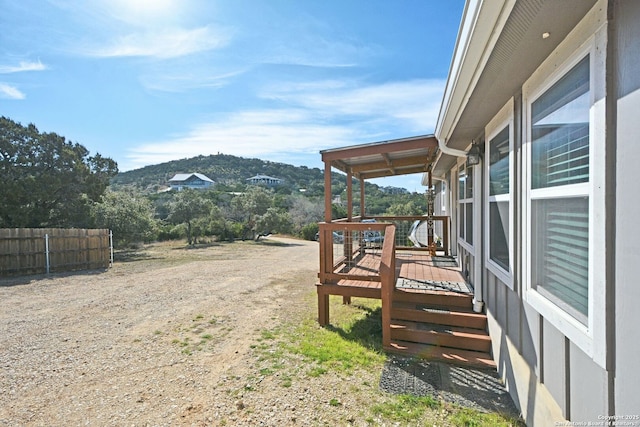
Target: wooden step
x=436, y=298
x=457, y=316
x=442, y=336
x=442, y=354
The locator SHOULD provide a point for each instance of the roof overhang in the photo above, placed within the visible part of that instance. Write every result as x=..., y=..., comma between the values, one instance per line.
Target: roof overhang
x=500, y=44
x=384, y=158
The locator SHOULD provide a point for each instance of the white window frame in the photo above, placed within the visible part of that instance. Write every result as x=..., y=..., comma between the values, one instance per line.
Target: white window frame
x=462, y=241
x=588, y=38
x=503, y=119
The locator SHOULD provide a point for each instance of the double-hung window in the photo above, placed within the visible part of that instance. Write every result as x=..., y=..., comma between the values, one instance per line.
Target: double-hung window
x=564, y=169
x=559, y=165
x=499, y=164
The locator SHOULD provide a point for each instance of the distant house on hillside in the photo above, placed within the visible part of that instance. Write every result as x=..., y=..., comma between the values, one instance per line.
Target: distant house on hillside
x=196, y=181
x=264, y=180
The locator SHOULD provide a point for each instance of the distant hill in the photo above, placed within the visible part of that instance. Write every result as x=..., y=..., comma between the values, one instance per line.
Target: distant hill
x=223, y=169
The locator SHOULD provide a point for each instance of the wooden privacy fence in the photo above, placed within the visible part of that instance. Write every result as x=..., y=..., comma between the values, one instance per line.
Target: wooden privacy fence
x=52, y=250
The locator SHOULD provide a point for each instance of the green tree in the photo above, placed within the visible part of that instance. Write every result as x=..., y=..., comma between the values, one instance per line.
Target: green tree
x=220, y=226
x=305, y=211
x=247, y=207
x=272, y=221
x=410, y=208
x=48, y=181
x=186, y=207
x=338, y=211
x=130, y=217
x=309, y=231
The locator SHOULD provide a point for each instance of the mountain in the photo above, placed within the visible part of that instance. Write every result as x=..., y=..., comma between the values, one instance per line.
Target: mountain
x=223, y=169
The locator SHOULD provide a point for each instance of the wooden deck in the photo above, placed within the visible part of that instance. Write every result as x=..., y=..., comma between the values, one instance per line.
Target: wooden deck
x=416, y=271
x=416, y=266
x=430, y=307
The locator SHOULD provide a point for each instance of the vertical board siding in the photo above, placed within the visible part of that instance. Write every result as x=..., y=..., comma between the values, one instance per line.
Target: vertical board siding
x=23, y=250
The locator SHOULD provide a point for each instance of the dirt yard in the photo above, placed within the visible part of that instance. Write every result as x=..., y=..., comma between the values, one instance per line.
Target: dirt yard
x=167, y=338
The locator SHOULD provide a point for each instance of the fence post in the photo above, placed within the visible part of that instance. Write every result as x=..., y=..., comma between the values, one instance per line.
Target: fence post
x=111, y=247
x=46, y=251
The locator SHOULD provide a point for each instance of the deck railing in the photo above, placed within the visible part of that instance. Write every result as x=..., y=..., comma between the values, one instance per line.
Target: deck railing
x=405, y=224
x=362, y=251
x=343, y=246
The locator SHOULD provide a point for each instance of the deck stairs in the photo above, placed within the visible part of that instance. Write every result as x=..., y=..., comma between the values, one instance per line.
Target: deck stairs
x=439, y=326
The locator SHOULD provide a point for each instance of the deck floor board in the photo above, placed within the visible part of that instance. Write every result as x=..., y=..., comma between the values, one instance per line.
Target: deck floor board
x=415, y=266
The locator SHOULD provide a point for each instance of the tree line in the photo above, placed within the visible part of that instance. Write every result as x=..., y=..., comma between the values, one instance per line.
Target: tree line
x=51, y=182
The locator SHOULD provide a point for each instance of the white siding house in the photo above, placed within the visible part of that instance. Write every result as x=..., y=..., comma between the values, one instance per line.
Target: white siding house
x=264, y=180
x=545, y=227
x=196, y=181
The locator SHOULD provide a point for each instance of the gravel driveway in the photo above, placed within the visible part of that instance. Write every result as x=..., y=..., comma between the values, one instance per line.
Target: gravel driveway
x=180, y=337
x=163, y=340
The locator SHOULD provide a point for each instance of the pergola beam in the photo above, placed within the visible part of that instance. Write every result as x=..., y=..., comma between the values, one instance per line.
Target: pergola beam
x=376, y=160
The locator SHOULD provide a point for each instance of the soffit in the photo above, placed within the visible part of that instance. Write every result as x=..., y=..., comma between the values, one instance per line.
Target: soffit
x=385, y=158
x=520, y=49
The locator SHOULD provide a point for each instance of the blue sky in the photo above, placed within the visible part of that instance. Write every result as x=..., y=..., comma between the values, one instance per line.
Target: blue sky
x=148, y=81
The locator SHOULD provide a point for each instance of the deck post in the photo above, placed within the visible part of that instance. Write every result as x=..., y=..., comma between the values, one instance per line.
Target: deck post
x=349, y=195
x=348, y=243
x=327, y=191
x=323, y=307
x=362, y=207
x=388, y=281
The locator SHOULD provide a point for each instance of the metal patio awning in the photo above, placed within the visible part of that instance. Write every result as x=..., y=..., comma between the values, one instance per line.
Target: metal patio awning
x=385, y=158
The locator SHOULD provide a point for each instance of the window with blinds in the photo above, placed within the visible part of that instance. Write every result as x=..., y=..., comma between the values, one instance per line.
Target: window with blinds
x=560, y=131
x=560, y=192
x=499, y=199
x=560, y=250
x=499, y=163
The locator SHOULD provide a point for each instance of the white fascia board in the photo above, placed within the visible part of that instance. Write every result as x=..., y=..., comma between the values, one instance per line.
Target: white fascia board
x=482, y=23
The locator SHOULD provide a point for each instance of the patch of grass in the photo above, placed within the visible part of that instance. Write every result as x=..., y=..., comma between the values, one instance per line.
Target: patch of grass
x=266, y=371
x=268, y=335
x=405, y=408
x=197, y=335
x=353, y=341
x=316, y=371
x=464, y=417
x=287, y=381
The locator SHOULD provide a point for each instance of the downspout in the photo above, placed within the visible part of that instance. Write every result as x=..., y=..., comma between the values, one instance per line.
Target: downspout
x=478, y=303
x=442, y=145
x=479, y=261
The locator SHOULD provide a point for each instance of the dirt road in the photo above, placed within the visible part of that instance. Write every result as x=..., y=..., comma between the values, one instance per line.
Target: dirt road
x=162, y=340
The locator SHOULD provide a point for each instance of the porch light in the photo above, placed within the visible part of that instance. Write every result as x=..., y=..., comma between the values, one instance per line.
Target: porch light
x=473, y=155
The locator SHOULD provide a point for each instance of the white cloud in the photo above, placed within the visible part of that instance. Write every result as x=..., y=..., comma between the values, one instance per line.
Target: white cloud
x=317, y=115
x=22, y=66
x=248, y=134
x=165, y=43
x=183, y=80
x=10, y=92
x=415, y=103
